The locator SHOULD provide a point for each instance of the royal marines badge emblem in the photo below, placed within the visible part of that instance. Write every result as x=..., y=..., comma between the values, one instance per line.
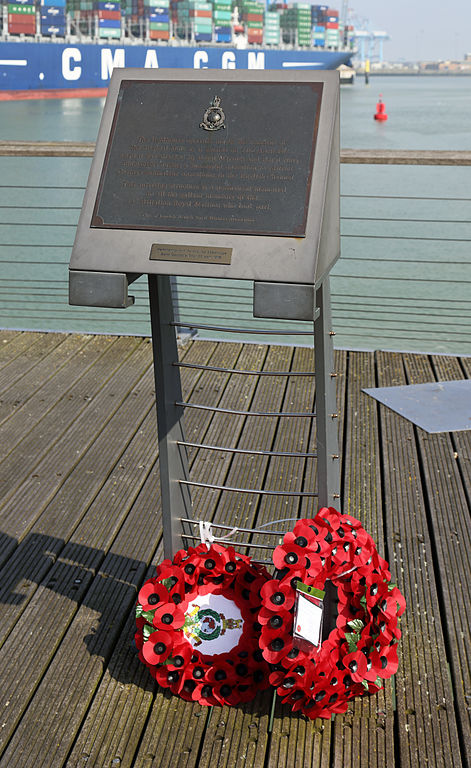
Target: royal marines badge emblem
x=214, y=117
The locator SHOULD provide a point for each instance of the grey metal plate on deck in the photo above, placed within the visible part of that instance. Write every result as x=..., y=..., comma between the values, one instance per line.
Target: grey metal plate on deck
x=442, y=406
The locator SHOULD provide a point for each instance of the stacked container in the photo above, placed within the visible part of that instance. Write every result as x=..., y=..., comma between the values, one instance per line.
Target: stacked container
x=332, y=32
x=157, y=11
x=109, y=18
x=252, y=18
x=53, y=18
x=196, y=17
x=21, y=18
x=222, y=17
x=318, y=25
x=272, y=28
x=201, y=19
x=296, y=23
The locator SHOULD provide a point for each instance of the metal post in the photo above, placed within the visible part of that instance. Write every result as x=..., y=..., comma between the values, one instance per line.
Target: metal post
x=176, y=500
x=328, y=463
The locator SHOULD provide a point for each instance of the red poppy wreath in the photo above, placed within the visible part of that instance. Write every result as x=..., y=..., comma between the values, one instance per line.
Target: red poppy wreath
x=197, y=628
x=361, y=651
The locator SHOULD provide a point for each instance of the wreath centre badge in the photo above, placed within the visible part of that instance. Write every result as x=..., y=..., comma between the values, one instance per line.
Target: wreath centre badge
x=213, y=624
x=214, y=118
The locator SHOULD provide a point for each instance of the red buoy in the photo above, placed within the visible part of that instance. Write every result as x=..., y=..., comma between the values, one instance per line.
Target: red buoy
x=380, y=113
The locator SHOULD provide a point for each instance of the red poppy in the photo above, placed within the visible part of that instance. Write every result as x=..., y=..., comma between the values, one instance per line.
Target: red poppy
x=169, y=616
x=180, y=657
x=399, y=598
x=385, y=661
x=290, y=555
x=152, y=594
x=274, y=645
x=355, y=663
x=221, y=671
x=173, y=578
x=277, y=594
x=157, y=648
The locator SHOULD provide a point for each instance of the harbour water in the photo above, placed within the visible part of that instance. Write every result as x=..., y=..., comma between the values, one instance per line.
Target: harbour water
x=403, y=281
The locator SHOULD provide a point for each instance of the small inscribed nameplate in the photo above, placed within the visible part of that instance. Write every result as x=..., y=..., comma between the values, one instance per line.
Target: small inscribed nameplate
x=194, y=253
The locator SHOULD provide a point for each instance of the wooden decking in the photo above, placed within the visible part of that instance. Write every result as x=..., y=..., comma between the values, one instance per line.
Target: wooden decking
x=80, y=530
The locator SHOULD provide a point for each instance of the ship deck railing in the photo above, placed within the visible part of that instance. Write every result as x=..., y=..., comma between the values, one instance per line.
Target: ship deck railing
x=402, y=283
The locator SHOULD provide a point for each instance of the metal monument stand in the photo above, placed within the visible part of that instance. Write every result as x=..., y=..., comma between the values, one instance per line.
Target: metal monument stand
x=101, y=268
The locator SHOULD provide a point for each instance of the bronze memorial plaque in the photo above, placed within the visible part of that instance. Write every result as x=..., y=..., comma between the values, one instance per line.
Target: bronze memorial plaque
x=209, y=156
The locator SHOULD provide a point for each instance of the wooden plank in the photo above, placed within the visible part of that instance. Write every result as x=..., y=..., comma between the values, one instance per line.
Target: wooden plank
x=30, y=399
x=237, y=735
x=294, y=739
x=75, y=667
x=240, y=734
x=9, y=344
x=23, y=353
x=297, y=741
x=66, y=583
x=449, y=515
x=426, y=726
x=365, y=735
x=258, y=434
x=452, y=368
x=119, y=710
x=53, y=467
x=225, y=430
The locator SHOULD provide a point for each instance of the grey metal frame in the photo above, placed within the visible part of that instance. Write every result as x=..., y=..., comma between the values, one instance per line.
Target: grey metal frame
x=177, y=512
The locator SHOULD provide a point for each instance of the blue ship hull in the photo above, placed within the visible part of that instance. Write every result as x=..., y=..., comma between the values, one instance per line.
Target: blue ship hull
x=49, y=66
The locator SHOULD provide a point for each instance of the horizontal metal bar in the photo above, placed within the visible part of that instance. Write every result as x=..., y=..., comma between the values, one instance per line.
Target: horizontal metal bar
x=251, y=452
x=42, y=207
x=255, y=491
x=231, y=542
x=35, y=224
x=360, y=156
x=219, y=369
x=401, y=221
x=264, y=331
x=408, y=197
x=222, y=526
x=404, y=157
x=243, y=413
x=410, y=237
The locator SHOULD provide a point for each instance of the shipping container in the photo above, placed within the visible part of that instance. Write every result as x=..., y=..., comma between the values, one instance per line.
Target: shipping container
x=221, y=17
x=21, y=10
x=159, y=34
x=18, y=26
x=53, y=30
x=114, y=34
x=109, y=24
